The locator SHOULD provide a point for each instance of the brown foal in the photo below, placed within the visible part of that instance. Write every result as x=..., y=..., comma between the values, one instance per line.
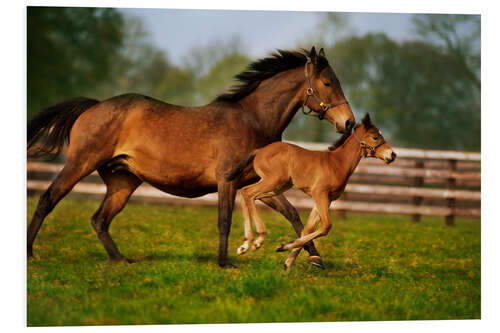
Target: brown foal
x=322, y=175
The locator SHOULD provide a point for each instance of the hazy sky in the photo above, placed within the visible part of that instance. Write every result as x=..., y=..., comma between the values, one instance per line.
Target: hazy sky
x=177, y=31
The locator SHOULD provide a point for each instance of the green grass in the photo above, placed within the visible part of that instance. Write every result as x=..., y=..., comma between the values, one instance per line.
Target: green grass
x=378, y=268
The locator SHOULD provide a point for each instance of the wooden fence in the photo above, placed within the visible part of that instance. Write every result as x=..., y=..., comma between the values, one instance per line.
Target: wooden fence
x=419, y=182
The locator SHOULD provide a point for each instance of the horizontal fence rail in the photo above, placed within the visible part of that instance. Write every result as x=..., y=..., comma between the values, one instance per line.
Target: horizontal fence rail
x=419, y=182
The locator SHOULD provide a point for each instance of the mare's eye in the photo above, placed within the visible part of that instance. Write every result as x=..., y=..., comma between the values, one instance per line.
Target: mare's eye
x=326, y=84
x=375, y=138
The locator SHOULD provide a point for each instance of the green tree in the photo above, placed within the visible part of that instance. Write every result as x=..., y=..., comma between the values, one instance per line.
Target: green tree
x=416, y=90
x=142, y=68
x=220, y=76
x=214, y=65
x=461, y=37
x=70, y=51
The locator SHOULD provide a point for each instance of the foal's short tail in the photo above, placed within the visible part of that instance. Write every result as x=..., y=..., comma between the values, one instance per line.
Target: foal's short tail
x=54, y=124
x=233, y=173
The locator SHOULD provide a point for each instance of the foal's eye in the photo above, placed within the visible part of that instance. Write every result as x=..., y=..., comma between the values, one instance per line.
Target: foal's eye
x=375, y=138
x=326, y=84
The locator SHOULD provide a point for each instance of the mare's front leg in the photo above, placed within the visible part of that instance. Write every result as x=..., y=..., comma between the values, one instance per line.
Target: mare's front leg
x=227, y=194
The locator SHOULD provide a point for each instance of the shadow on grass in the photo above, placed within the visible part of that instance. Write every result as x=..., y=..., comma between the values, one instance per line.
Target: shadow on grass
x=177, y=257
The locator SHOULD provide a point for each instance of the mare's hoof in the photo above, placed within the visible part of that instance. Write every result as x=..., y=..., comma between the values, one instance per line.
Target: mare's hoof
x=281, y=248
x=30, y=252
x=123, y=259
x=317, y=261
x=227, y=264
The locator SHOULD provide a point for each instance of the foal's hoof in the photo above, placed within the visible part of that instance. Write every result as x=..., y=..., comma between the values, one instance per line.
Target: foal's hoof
x=280, y=248
x=317, y=261
x=256, y=246
x=288, y=263
x=242, y=250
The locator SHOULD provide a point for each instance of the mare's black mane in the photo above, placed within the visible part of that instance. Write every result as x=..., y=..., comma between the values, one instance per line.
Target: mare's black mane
x=265, y=68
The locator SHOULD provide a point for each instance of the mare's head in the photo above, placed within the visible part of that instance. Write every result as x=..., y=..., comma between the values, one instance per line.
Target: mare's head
x=324, y=94
x=372, y=142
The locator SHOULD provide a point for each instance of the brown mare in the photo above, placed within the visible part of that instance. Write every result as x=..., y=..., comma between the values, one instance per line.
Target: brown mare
x=185, y=151
x=322, y=175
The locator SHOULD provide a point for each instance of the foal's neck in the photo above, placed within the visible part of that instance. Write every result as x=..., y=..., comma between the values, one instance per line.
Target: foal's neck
x=275, y=101
x=348, y=155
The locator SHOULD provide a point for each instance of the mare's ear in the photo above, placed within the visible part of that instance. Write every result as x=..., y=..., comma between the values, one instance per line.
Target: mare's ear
x=313, y=55
x=367, y=122
x=322, y=53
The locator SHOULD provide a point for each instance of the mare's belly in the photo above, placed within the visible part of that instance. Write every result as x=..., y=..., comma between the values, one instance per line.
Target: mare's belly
x=175, y=177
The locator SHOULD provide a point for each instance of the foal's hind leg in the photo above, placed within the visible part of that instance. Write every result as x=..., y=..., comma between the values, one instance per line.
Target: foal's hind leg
x=266, y=187
x=119, y=187
x=247, y=222
x=64, y=182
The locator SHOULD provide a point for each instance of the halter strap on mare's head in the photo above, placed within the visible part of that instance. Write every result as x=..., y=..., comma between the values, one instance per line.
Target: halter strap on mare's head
x=310, y=92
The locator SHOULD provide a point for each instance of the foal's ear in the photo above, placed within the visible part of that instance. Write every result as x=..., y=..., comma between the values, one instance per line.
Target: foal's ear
x=367, y=122
x=322, y=53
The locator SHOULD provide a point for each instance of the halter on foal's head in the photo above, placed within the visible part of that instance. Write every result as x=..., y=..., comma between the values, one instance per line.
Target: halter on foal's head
x=371, y=141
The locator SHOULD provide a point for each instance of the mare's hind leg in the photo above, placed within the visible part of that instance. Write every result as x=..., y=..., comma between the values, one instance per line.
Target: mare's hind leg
x=282, y=205
x=64, y=182
x=119, y=187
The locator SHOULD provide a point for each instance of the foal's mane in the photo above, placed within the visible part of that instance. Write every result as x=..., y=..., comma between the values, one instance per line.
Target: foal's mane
x=262, y=69
x=340, y=141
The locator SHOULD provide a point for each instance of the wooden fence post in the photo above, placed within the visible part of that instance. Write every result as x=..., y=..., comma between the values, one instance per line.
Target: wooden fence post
x=418, y=182
x=450, y=219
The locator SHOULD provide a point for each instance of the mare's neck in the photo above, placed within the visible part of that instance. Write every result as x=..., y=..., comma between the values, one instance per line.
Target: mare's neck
x=275, y=101
x=348, y=155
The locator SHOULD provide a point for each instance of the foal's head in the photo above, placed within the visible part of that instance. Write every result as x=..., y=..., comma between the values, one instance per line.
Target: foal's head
x=325, y=93
x=372, y=142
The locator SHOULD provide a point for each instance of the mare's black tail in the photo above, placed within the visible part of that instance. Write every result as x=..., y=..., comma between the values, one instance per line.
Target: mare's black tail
x=54, y=124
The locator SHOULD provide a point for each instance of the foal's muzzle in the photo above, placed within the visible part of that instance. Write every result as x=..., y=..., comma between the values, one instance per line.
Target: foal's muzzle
x=391, y=159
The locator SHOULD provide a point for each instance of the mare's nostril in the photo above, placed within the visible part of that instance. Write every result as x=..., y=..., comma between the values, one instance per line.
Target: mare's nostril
x=393, y=156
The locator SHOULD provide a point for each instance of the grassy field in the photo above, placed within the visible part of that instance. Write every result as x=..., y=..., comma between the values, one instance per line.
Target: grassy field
x=378, y=268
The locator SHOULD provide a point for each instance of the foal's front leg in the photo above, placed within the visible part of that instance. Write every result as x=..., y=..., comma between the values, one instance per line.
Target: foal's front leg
x=311, y=224
x=322, y=201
